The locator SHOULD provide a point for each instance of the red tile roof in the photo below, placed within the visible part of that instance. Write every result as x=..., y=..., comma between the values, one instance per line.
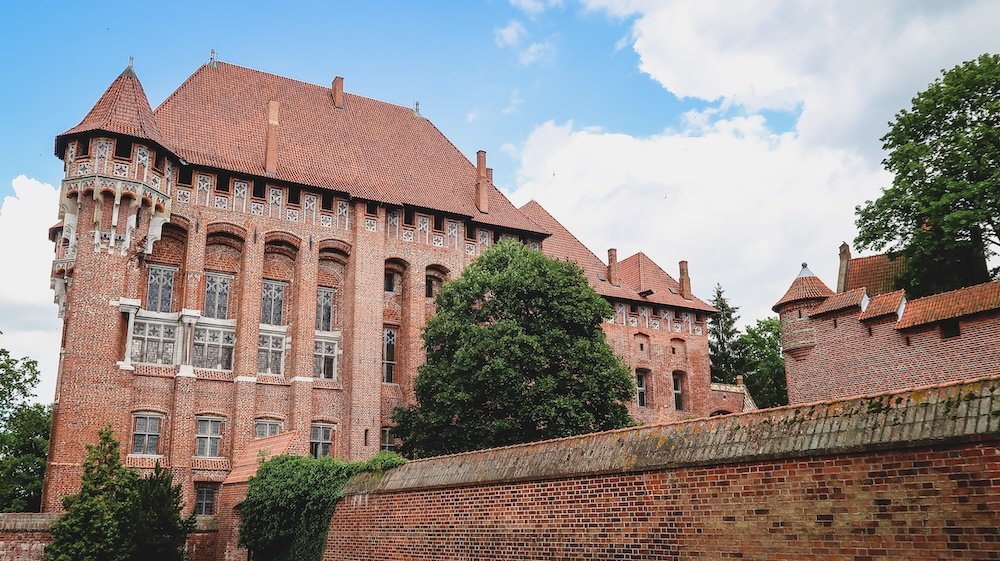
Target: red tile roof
x=246, y=461
x=561, y=244
x=642, y=273
x=369, y=149
x=123, y=109
x=806, y=286
x=840, y=301
x=877, y=273
x=883, y=304
x=952, y=304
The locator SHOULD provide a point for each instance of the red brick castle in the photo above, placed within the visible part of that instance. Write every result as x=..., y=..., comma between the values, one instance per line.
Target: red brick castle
x=258, y=256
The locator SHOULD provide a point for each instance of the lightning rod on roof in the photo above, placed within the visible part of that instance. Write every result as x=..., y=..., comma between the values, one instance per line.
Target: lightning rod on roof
x=131, y=60
x=212, y=60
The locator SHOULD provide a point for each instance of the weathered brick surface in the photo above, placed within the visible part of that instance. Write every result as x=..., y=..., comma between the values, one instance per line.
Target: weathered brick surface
x=913, y=475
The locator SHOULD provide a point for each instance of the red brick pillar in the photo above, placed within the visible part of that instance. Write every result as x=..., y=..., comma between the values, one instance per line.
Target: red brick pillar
x=182, y=430
x=248, y=317
x=244, y=406
x=303, y=330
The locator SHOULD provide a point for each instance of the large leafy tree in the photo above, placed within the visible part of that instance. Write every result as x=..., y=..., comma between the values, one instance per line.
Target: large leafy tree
x=722, y=335
x=942, y=212
x=117, y=516
x=24, y=445
x=764, y=364
x=515, y=353
x=18, y=378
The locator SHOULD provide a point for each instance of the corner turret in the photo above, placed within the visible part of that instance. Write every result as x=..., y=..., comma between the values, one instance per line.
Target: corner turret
x=806, y=292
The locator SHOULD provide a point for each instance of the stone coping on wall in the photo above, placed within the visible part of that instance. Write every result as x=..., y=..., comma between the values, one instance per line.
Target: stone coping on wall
x=41, y=521
x=954, y=412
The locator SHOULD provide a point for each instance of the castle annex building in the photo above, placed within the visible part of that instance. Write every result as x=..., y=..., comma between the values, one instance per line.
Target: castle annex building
x=868, y=338
x=258, y=255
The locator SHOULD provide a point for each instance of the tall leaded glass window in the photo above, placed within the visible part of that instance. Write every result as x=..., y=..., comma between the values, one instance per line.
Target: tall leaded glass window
x=213, y=347
x=324, y=309
x=208, y=437
x=272, y=303
x=270, y=353
x=153, y=342
x=217, y=295
x=388, y=354
x=325, y=359
x=146, y=433
x=159, y=288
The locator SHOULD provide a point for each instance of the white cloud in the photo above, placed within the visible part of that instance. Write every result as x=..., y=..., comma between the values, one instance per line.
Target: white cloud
x=28, y=318
x=535, y=7
x=509, y=35
x=471, y=116
x=515, y=102
x=742, y=204
x=536, y=52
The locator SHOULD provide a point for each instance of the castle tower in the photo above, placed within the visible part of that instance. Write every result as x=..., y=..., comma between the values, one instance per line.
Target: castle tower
x=798, y=334
x=113, y=202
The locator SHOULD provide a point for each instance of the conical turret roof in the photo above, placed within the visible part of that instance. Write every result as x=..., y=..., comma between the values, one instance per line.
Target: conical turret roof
x=123, y=109
x=806, y=286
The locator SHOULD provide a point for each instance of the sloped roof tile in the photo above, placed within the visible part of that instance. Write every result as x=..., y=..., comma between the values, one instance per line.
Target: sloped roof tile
x=840, y=301
x=806, y=286
x=952, y=304
x=643, y=274
x=883, y=304
x=876, y=273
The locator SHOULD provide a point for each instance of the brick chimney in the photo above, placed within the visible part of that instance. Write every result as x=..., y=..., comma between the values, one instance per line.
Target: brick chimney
x=685, y=281
x=271, y=146
x=613, y=267
x=845, y=260
x=482, y=183
x=489, y=175
x=337, y=92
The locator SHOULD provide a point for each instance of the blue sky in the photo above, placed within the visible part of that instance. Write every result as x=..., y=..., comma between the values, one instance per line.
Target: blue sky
x=738, y=136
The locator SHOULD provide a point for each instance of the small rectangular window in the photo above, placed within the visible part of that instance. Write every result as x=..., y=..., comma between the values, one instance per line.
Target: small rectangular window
x=389, y=355
x=208, y=437
x=325, y=359
x=222, y=183
x=324, y=309
x=159, y=288
x=320, y=440
x=327, y=201
x=429, y=287
x=146, y=433
x=640, y=387
x=294, y=195
x=388, y=439
x=371, y=209
x=633, y=308
x=270, y=354
x=259, y=189
x=205, y=498
x=438, y=223
x=470, y=231
x=678, y=391
x=390, y=282
x=950, y=328
x=266, y=427
x=184, y=175
x=272, y=305
x=408, y=216
x=83, y=147
x=217, y=295
x=123, y=149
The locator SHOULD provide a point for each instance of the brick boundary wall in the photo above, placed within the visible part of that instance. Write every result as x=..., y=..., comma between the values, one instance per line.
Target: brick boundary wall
x=905, y=475
x=24, y=535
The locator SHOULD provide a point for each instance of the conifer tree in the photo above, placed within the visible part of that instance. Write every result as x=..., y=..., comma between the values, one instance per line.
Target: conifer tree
x=722, y=336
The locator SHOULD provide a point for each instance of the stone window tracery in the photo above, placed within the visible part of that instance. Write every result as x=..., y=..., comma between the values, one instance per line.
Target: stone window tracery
x=153, y=342
x=217, y=295
x=324, y=308
x=325, y=358
x=389, y=355
x=270, y=354
x=272, y=305
x=159, y=288
x=213, y=347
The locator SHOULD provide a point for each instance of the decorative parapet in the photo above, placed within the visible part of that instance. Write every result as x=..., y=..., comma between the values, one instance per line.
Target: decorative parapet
x=963, y=411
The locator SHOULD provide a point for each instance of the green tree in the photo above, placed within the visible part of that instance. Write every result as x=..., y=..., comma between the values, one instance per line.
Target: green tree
x=18, y=378
x=97, y=525
x=289, y=502
x=764, y=363
x=942, y=212
x=160, y=532
x=117, y=516
x=515, y=354
x=722, y=336
x=24, y=445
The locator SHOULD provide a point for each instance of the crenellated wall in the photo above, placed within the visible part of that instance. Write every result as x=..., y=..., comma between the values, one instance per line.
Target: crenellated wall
x=910, y=475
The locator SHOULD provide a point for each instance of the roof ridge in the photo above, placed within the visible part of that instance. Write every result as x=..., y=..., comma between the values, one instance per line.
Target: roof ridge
x=563, y=226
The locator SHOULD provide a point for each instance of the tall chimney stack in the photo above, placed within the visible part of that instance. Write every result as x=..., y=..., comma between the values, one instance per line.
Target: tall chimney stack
x=845, y=260
x=337, y=92
x=685, y=281
x=482, y=183
x=271, y=146
x=489, y=175
x=613, y=267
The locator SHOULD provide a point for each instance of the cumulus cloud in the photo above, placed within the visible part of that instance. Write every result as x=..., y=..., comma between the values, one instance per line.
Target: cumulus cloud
x=541, y=51
x=741, y=203
x=28, y=318
x=535, y=7
x=510, y=34
x=744, y=201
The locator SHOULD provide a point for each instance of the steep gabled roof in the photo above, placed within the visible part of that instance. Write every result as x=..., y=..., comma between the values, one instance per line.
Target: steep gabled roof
x=561, y=244
x=369, y=149
x=643, y=274
x=948, y=305
x=840, y=301
x=123, y=109
x=876, y=273
x=806, y=286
